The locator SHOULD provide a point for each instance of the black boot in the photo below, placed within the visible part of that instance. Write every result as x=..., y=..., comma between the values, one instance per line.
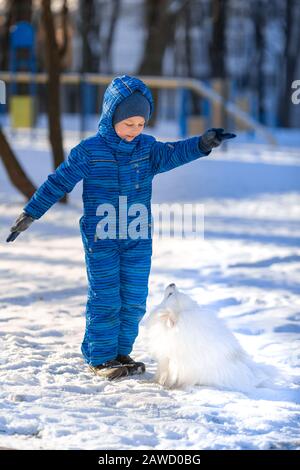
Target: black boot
x=110, y=370
x=132, y=366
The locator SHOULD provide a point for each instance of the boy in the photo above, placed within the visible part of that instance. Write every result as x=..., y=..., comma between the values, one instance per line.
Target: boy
x=117, y=166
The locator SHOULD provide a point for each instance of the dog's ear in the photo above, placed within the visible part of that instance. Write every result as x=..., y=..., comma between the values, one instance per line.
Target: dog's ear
x=168, y=317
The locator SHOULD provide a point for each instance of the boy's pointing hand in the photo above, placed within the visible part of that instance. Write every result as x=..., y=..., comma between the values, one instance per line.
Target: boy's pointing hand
x=213, y=138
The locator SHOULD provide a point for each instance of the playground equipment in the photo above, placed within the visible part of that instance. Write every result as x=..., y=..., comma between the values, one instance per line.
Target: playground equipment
x=184, y=85
x=22, y=58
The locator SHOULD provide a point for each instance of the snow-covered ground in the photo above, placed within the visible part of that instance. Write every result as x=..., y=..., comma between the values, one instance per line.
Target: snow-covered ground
x=248, y=268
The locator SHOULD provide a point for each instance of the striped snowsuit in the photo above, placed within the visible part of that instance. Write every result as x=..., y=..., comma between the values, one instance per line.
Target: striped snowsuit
x=117, y=268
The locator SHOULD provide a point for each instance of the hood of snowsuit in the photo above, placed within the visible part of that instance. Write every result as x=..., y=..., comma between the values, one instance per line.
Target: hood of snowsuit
x=119, y=89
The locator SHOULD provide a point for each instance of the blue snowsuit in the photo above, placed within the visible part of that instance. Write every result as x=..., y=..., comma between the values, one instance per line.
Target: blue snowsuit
x=117, y=268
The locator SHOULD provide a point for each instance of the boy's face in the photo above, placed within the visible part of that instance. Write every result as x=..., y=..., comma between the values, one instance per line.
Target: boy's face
x=130, y=128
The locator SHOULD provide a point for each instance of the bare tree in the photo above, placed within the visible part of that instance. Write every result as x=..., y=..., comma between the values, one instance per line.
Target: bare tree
x=89, y=23
x=107, y=48
x=160, y=25
x=217, y=53
x=13, y=168
x=16, y=11
x=65, y=36
x=259, y=25
x=217, y=47
x=53, y=56
x=188, y=18
x=96, y=45
x=290, y=62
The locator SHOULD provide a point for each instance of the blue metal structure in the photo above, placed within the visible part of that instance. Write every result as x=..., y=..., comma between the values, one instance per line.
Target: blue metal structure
x=22, y=53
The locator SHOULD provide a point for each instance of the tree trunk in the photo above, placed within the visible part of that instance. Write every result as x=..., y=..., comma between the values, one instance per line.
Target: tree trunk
x=260, y=44
x=188, y=47
x=111, y=31
x=52, y=58
x=16, y=11
x=14, y=170
x=217, y=53
x=160, y=23
x=64, y=21
x=292, y=44
x=217, y=47
x=89, y=31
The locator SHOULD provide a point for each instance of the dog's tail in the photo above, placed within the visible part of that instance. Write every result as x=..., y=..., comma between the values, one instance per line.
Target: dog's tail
x=268, y=376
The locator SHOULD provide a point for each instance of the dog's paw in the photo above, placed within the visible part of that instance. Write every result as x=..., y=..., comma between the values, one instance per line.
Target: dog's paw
x=161, y=378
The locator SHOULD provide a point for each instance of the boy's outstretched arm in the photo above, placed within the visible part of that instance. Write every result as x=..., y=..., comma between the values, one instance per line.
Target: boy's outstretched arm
x=61, y=181
x=169, y=155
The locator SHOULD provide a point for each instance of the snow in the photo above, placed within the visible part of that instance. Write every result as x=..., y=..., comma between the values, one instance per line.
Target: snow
x=247, y=268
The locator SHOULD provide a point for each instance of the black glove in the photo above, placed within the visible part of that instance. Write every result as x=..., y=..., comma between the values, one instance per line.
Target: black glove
x=21, y=224
x=213, y=138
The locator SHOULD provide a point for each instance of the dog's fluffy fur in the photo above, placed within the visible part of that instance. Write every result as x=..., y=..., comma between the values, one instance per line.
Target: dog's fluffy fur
x=194, y=347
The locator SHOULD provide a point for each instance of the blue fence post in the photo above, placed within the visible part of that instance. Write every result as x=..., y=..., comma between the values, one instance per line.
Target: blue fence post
x=88, y=100
x=183, y=111
x=206, y=107
x=81, y=107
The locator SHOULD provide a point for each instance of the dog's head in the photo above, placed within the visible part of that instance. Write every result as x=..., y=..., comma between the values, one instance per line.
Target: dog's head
x=173, y=305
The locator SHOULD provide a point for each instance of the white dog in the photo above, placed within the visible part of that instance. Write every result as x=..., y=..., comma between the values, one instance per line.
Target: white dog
x=194, y=347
